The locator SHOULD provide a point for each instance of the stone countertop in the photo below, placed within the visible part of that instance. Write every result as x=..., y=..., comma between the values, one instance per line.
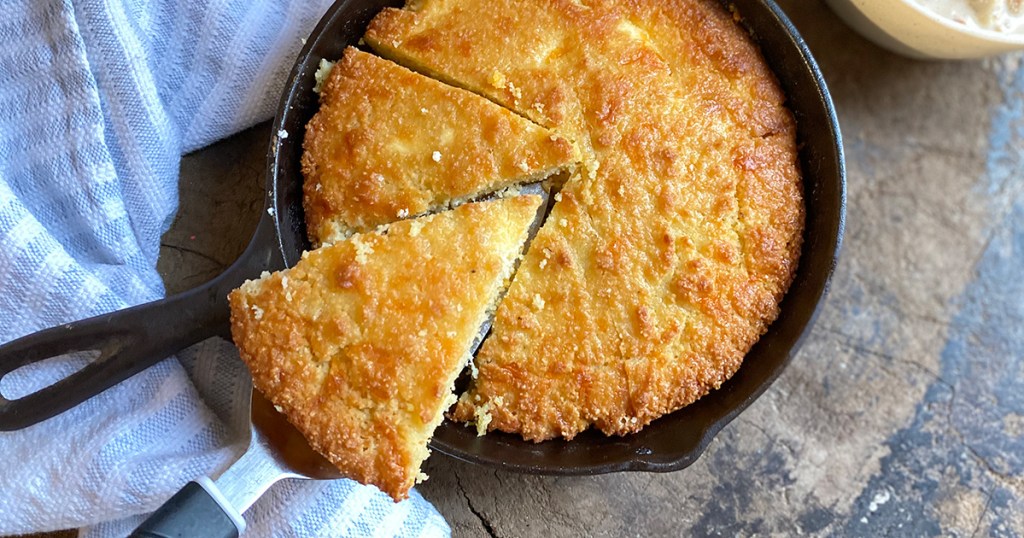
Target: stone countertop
x=903, y=414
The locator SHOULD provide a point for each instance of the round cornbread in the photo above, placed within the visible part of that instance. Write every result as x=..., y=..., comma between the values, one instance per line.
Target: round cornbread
x=666, y=257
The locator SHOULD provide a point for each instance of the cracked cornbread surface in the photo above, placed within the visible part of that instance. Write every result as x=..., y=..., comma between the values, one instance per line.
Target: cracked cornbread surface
x=665, y=257
x=388, y=143
x=359, y=344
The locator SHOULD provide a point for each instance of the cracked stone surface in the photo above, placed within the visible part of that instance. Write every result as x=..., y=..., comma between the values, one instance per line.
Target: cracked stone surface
x=903, y=414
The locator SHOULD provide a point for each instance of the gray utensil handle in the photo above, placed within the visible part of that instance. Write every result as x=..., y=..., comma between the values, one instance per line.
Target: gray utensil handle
x=197, y=510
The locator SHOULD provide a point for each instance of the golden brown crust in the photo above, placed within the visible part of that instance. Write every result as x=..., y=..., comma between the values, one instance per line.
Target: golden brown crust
x=359, y=344
x=666, y=258
x=388, y=143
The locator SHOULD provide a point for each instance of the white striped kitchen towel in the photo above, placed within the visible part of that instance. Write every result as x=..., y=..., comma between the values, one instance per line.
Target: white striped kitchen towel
x=98, y=101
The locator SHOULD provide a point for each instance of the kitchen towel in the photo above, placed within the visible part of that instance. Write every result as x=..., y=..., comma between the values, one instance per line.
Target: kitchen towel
x=98, y=101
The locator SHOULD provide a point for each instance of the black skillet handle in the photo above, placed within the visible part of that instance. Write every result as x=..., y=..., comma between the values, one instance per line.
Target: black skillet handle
x=130, y=340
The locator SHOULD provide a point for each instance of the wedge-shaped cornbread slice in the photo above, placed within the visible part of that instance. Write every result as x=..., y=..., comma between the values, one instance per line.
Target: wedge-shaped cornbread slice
x=666, y=258
x=388, y=143
x=360, y=343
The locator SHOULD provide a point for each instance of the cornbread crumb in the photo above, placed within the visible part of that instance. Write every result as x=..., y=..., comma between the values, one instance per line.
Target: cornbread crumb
x=558, y=197
x=363, y=249
x=402, y=213
x=483, y=418
x=322, y=72
x=498, y=80
x=516, y=92
x=415, y=227
x=436, y=156
x=511, y=190
x=282, y=134
x=449, y=400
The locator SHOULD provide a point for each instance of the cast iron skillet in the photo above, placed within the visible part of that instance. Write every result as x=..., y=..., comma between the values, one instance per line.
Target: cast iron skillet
x=133, y=339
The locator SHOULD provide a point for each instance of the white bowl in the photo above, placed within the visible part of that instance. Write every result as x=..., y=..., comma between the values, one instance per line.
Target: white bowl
x=909, y=29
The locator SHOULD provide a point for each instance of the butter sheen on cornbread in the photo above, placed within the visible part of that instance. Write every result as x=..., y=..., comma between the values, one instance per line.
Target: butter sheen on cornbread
x=666, y=258
x=360, y=343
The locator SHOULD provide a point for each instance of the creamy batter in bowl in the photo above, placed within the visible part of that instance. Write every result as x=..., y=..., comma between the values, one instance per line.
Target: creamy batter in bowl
x=1004, y=16
x=938, y=29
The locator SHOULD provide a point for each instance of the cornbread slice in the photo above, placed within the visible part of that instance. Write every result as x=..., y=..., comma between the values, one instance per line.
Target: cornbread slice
x=388, y=143
x=360, y=343
x=666, y=258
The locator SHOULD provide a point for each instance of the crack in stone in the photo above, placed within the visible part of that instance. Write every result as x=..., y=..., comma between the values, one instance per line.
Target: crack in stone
x=793, y=453
x=647, y=484
x=985, y=246
x=206, y=257
x=937, y=377
x=925, y=317
x=469, y=504
x=943, y=150
x=1002, y=478
x=981, y=518
x=899, y=311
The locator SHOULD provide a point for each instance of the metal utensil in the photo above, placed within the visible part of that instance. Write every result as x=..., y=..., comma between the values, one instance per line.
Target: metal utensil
x=276, y=450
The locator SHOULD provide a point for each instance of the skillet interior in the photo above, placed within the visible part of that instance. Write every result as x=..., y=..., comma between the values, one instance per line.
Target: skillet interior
x=676, y=440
